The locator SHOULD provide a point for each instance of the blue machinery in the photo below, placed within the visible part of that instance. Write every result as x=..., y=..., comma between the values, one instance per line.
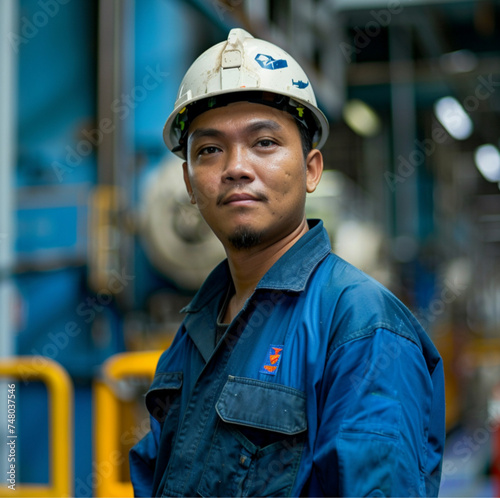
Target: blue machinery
x=62, y=299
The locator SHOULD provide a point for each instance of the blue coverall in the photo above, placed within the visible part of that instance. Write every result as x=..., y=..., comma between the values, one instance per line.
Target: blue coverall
x=323, y=385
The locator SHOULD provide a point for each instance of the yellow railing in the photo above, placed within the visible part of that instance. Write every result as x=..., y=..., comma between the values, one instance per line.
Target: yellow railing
x=60, y=394
x=108, y=412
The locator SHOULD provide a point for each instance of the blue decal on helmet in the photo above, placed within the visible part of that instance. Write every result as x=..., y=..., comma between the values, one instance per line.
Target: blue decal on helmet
x=300, y=84
x=267, y=62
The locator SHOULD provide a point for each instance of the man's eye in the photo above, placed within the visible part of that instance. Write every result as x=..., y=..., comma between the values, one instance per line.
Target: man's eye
x=266, y=142
x=209, y=150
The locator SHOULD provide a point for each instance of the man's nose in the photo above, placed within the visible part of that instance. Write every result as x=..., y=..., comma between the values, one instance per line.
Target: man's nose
x=237, y=167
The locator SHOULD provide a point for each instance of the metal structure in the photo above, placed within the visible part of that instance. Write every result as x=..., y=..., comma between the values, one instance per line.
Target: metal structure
x=111, y=247
x=109, y=409
x=60, y=392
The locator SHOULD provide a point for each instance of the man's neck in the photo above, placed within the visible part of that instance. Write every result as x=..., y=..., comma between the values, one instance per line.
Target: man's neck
x=248, y=266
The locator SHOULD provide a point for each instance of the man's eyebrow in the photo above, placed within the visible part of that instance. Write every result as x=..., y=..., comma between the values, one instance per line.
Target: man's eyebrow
x=205, y=132
x=262, y=124
x=251, y=128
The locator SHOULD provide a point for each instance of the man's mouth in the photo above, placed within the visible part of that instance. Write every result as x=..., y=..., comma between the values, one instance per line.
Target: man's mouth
x=241, y=198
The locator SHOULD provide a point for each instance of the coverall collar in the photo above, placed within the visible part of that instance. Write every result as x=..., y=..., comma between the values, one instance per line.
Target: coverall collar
x=284, y=275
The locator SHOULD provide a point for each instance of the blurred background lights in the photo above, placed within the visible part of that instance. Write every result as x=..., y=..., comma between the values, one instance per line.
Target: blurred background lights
x=453, y=117
x=487, y=158
x=361, y=118
x=459, y=61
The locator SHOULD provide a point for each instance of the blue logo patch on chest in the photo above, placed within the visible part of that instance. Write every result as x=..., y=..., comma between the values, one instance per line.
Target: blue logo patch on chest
x=272, y=361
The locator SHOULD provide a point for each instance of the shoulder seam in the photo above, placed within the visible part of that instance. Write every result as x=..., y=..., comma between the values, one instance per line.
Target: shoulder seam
x=368, y=331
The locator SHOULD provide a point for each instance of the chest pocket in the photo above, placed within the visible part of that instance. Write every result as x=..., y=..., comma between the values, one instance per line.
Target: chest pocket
x=258, y=441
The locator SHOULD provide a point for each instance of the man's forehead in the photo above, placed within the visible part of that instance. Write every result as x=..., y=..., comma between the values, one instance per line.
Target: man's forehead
x=252, y=115
x=248, y=128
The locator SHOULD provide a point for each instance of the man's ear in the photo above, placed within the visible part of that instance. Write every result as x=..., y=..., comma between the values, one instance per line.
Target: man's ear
x=314, y=165
x=187, y=182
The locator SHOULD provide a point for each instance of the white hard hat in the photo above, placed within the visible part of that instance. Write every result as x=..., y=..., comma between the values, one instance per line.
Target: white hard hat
x=267, y=74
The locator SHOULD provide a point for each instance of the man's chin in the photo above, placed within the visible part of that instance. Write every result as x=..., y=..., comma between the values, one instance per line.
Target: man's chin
x=245, y=238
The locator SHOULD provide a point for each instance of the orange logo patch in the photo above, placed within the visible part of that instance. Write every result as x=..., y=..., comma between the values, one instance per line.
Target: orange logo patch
x=276, y=356
x=272, y=361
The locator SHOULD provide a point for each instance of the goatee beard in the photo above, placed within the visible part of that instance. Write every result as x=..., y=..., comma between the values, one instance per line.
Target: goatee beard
x=244, y=238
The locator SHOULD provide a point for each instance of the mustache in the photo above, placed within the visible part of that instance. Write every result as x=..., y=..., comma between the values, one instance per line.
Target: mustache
x=257, y=195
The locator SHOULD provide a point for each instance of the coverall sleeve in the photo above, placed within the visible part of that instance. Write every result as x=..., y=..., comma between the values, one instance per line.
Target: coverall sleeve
x=381, y=420
x=142, y=460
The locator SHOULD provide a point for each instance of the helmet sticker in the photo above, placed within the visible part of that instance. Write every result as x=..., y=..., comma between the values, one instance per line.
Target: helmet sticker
x=300, y=84
x=267, y=62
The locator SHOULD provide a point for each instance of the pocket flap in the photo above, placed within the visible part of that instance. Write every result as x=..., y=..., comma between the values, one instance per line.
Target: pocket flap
x=263, y=405
x=160, y=396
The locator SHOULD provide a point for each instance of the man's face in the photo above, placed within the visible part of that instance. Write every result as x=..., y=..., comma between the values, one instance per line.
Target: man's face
x=246, y=171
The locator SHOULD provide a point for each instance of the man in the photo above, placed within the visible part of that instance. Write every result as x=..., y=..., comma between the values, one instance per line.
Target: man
x=293, y=373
